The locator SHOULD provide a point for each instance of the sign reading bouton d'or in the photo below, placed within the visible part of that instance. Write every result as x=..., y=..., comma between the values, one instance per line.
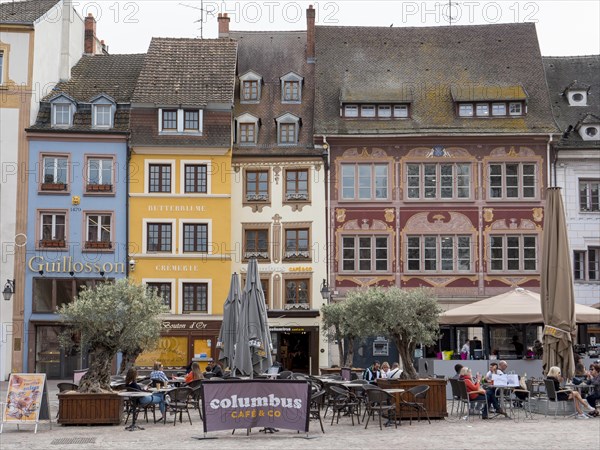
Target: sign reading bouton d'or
x=228, y=405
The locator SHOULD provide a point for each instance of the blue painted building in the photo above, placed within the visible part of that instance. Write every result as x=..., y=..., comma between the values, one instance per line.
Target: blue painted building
x=77, y=200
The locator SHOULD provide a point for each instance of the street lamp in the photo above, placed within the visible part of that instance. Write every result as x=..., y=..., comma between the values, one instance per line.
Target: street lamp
x=325, y=293
x=9, y=290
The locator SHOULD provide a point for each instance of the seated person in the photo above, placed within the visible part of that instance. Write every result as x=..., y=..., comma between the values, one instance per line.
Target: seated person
x=195, y=373
x=477, y=393
x=385, y=370
x=593, y=378
x=158, y=398
x=215, y=369
x=493, y=371
x=457, y=369
x=580, y=404
x=394, y=372
x=157, y=375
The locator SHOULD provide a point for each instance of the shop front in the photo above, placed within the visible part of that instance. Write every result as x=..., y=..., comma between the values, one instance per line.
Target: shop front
x=180, y=343
x=297, y=348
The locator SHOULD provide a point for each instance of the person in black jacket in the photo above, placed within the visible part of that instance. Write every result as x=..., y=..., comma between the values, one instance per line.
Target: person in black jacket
x=372, y=373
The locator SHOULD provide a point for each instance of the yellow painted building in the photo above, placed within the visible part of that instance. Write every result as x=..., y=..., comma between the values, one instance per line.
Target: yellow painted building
x=180, y=195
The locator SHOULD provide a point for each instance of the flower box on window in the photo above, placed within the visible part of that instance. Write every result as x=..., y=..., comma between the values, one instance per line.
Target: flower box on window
x=98, y=244
x=99, y=187
x=52, y=243
x=297, y=255
x=289, y=306
x=296, y=197
x=54, y=187
x=257, y=255
x=257, y=197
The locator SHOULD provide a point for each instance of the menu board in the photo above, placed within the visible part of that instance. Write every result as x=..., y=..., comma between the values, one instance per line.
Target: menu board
x=25, y=399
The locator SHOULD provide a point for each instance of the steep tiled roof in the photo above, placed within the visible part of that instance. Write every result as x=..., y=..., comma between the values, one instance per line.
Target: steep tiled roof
x=113, y=75
x=429, y=62
x=579, y=72
x=26, y=12
x=188, y=72
x=273, y=54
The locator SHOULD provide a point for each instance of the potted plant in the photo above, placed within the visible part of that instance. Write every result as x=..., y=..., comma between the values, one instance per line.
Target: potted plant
x=113, y=317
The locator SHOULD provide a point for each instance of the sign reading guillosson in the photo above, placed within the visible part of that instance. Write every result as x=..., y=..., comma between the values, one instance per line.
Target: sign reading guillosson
x=228, y=405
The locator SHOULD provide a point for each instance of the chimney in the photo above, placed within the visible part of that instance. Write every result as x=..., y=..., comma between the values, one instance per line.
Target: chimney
x=223, y=20
x=310, y=34
x=90, y=35
x=65, y=54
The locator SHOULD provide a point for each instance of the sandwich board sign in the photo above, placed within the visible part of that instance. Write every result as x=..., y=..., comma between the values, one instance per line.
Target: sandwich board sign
x=26, y=400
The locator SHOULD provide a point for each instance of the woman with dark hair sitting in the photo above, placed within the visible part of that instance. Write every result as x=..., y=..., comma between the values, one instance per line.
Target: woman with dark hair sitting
x=593, y=378
x=158, y=398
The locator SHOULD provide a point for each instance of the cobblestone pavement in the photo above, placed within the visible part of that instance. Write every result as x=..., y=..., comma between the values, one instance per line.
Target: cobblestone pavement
x=546, y=433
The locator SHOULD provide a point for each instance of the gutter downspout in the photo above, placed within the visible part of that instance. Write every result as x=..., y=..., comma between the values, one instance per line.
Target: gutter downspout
x=552, y=165
x=127, y=179
x=326, y=162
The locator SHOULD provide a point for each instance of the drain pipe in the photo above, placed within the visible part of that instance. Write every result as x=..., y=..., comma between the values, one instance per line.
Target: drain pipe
x=550, y=165
x=326, y=163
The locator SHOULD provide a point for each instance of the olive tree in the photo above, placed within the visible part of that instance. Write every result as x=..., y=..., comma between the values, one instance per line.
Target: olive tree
x=111, y=318
x=409, y=317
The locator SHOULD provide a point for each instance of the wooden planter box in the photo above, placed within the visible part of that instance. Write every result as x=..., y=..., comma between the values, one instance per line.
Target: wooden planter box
x=51, y=243
x=435, y=403
x=54, y=187
x=336, y=371
x=99, y=187
x=90, y=409
x=98, y=245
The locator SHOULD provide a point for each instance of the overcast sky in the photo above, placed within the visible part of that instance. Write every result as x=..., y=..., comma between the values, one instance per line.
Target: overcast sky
x=567, y=27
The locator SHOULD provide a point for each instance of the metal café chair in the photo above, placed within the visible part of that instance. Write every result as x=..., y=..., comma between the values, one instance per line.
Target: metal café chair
x=179, y=404
x=316, y=404
x=345, y=401
x=416, y=400
x=379, y=401
x=553, y=396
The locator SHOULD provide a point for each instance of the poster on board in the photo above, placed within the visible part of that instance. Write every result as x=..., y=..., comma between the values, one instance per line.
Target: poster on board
x=26, y=399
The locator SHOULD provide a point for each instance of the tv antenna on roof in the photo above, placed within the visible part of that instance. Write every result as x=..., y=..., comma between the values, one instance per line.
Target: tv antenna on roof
x=202, y=11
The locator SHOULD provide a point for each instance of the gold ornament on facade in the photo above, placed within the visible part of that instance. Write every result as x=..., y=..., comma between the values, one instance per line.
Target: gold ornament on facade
x=389, y=215
x=538, y=214
x=512, y=153
x=340, y=215
x=488, y=214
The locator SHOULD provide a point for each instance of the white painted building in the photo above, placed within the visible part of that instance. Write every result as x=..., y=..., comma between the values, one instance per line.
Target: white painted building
x=574, y=84
x=40, y=41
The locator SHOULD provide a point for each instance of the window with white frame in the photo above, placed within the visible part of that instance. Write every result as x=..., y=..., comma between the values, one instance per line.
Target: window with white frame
x=297, y=294
x=444, y=253
x=62, y=114
x=465, y=110
x=400, y=111
x=99, y=174
x=98, y=231
x=511, y=253
x=103, y=116
x=195, y=297
x=512, y=180
x=191, y=120
x=482, y=109
x=586, y=264
x=159, y=237
x=367, y=111
x=350, y=110
x=163, y=290
x=53, y=229
x=180, y=121
x=195, y=238
x=55, y=172
x=438, y=181
x=363, y=181
x=589, y=198
x=364, y=253
x=515, y=108
x=1, y=67
x=498, y=109
x=169, y=120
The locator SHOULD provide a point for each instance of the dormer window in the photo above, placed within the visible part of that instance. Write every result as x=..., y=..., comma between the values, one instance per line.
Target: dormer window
x=179, y=121
x=247, y=129
x=291, y=88
x=63, y=108
x=103, y=111
x=479, y=101
x=589, y=127
x=287, y=129
x=250, y=87
x=577, y=93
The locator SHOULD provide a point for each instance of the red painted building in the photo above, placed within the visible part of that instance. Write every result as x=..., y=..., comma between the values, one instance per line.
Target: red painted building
x=438, y=143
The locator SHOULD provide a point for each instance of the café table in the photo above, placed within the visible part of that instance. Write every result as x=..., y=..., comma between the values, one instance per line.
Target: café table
x=134, y=397
x=177, y=381
x=397, y=394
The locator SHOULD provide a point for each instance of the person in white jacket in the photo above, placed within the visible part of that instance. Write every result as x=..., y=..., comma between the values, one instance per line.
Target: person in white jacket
x=394, y=372
x=385, y=370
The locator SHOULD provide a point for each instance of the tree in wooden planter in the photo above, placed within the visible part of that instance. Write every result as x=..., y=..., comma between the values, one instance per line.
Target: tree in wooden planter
x=407, y=316
x=111, y=318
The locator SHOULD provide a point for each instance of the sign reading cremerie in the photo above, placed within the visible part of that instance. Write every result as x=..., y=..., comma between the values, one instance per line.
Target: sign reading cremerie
x=228, y=405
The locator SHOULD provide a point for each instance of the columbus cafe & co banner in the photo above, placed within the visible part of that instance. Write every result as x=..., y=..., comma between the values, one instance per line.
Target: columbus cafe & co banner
x=26, y=400
x=229, y=405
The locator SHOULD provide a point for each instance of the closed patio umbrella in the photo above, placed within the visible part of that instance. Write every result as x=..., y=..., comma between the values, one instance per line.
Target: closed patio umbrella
x=229, y=326
x=557, y=296
x=253, y=343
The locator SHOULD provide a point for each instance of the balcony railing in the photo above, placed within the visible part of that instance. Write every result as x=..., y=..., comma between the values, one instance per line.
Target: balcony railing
x=296, y=196
x=257, y=197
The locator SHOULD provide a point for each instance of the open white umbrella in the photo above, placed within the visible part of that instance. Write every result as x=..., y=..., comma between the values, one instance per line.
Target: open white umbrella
x=253, y=343
x=229, y=326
